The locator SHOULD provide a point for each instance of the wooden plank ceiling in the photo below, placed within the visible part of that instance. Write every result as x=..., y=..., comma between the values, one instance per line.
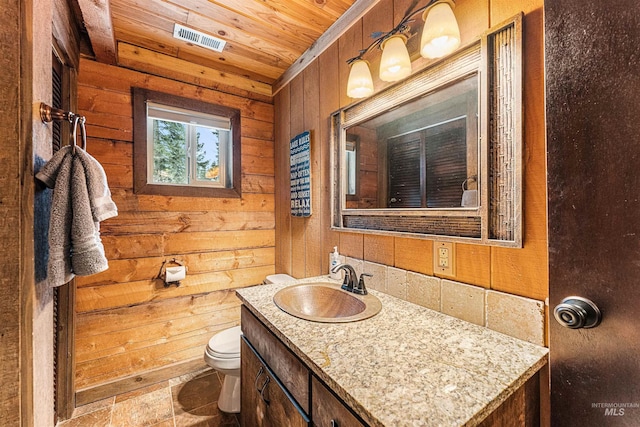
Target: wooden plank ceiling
x=265, y=38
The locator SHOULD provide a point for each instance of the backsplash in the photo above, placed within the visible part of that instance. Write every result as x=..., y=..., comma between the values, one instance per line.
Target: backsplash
x=513, y=315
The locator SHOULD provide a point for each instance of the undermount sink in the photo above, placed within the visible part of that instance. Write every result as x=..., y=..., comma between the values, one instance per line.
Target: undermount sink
x=326, y=302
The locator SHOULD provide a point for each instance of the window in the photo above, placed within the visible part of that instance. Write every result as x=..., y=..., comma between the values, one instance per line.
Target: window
x=185, y=147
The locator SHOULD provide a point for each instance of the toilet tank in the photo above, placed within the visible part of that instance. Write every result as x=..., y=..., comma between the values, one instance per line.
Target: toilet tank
x=278, y=279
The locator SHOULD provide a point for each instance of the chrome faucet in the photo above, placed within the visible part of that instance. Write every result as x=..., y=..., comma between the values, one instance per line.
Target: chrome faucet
x=351, y=282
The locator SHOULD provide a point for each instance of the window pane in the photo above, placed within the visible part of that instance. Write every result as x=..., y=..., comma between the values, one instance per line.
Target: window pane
x=208, y=154
x=169, y=152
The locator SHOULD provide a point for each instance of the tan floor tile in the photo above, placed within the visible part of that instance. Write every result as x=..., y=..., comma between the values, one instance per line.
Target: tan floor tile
x=146, y=410
x=219, y=421
x=191, y=401
x=166, y=423
x=196, y=393
x=99, y=418
x=226, y=420
x=93, y=407
x=139, y=392
x=206, y=416
x=191, y=375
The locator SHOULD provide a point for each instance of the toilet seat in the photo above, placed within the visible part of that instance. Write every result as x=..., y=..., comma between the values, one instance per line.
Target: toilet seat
x=223, y=355
x=226, y=344
x=223, y=349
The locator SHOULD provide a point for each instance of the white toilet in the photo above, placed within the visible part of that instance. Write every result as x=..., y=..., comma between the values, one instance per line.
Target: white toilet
x=223, y=355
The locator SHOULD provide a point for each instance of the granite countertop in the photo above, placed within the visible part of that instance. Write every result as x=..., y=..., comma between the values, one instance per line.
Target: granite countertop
x=407, y=365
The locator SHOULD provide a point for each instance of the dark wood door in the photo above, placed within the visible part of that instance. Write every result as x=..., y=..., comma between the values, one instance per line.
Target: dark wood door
x=592, y=59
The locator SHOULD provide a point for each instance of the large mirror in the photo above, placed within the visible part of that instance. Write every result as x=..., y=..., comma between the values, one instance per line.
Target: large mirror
x=439, y=154
x=423, y=154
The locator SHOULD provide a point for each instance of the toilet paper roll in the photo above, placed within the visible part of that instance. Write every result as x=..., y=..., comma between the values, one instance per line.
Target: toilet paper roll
x=175, y=274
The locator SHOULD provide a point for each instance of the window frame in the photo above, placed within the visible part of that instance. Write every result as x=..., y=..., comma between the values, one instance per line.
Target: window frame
x=141, y=184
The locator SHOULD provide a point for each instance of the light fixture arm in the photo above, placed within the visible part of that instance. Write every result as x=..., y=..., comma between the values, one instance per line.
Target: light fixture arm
x=440, y=36
x=401, y=28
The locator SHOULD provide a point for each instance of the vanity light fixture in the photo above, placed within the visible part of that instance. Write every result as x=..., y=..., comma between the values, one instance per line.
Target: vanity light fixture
x=360, y=83
x=440, y=36
x=395, y=63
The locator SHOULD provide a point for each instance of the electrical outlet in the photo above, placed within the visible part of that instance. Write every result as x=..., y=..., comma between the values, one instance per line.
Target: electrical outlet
x=444, y=255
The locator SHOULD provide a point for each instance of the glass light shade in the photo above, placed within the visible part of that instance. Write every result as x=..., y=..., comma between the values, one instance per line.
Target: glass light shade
x=440, y=35
x=360, y=83
x=395, y=63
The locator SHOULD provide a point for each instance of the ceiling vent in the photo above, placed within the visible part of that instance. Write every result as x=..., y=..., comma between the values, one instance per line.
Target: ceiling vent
x=196, y=37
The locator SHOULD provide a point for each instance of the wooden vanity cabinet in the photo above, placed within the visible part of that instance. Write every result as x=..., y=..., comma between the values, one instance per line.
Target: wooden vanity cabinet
x=328, y=410
x=296, y=397
x=277, y=389
x=265, y=402
x=293, y=374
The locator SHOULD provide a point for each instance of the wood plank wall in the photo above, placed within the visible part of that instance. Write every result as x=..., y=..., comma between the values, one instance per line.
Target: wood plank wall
x=128, y=325
x=10, y=212
x=26, y=303
x=303, y=245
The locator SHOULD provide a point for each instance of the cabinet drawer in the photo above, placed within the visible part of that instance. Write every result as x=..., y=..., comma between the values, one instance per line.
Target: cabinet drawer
x=284, y=364
x=328, y=410
x=264, y=401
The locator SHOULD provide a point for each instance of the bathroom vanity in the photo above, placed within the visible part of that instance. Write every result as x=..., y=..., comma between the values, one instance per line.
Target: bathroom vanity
x=405, y=366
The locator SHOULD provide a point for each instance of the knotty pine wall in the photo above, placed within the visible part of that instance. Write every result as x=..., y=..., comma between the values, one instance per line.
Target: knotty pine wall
x=130, y=329
x=303, y=245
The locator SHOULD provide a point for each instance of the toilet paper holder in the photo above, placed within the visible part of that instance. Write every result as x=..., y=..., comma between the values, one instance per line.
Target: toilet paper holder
x=172, y=271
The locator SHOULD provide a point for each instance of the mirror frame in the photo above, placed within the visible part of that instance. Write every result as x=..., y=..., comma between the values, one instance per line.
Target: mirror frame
x=496, y=57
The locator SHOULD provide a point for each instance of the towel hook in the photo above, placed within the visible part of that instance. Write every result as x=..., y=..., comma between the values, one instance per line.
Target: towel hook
x=49, y=114
x=78, y=119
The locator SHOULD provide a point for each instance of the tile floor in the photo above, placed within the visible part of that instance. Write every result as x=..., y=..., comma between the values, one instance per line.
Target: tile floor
x=187, y=401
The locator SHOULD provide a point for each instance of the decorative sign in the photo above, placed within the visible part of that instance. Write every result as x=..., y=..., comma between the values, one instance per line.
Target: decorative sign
x=300, y=161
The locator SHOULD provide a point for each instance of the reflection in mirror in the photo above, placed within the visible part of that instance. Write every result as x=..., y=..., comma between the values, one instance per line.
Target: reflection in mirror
x=423, y=154
x=351, y=165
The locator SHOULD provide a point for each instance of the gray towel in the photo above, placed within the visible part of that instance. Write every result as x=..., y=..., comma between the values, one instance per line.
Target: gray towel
x=81, y=199
x=50, y=171
x=57, y=174
x=87, y=252
x=102, y=207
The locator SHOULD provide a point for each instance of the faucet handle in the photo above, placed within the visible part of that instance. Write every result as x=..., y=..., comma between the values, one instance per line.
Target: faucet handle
x=361, y=288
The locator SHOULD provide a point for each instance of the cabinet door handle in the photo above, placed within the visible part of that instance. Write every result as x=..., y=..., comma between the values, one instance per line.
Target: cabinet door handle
x=260, y=372
x=334, y=423
x=267, y=401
